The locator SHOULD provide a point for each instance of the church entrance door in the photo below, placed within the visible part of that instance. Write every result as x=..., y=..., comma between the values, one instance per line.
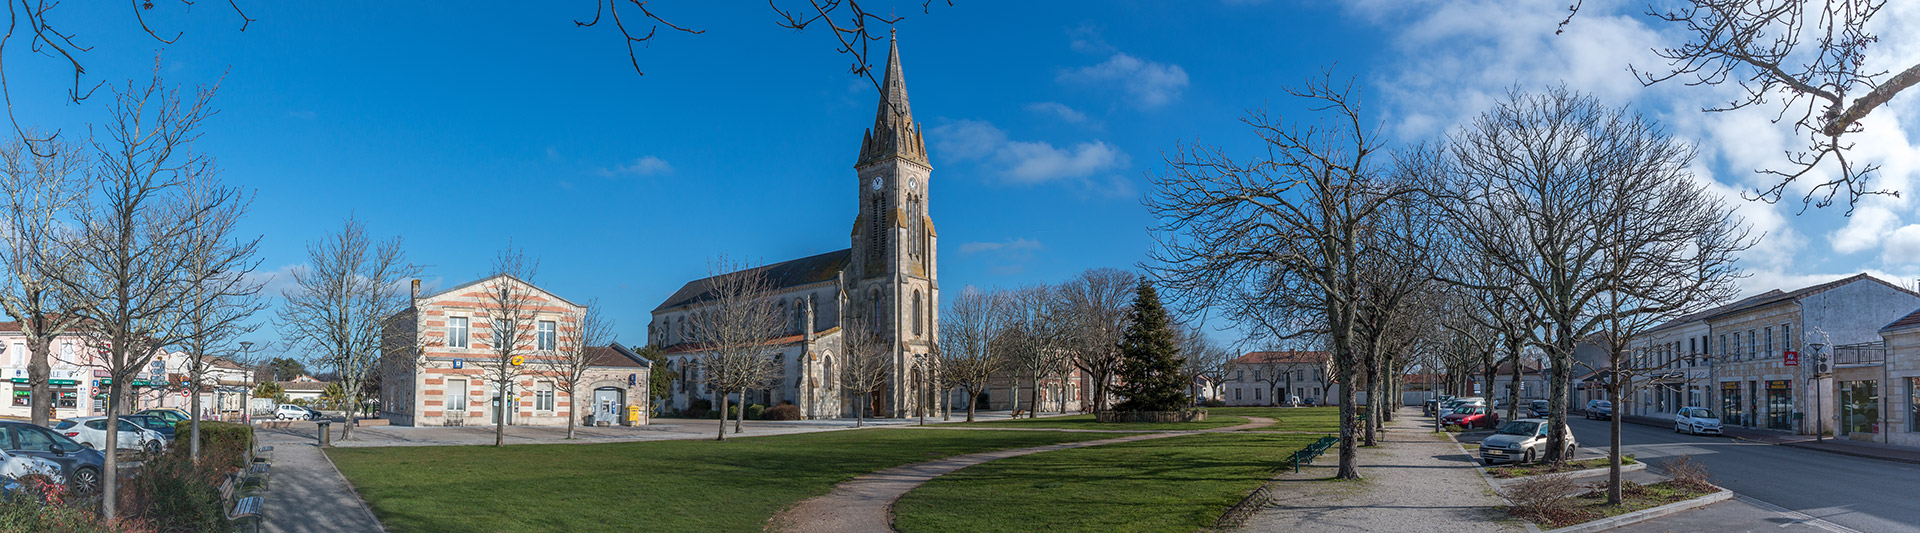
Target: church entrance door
x=876, y=405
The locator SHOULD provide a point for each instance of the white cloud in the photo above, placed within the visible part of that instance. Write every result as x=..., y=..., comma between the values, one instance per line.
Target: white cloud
x=1058, y=109
x=1030, y=162
x=1902, y=246
x=1021, y=244
x=1869, y=225
x=1150, y=84
x=644, y=166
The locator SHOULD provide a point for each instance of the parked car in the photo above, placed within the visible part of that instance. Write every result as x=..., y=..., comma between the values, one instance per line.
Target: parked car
x=1310, y=402
x=288, y=411
x=1522, y=441
x=1432, y=405
x=1539, y=409
x=1696, y=420
x=79, y=464
x=92, y=431
x=1472, y=416
x=1599, y=410
x=152, y=422
x=18, y=466
x=169, y=414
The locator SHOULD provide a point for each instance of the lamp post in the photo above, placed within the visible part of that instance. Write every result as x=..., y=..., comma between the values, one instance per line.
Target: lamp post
x=1813, y=387
x=246, y=393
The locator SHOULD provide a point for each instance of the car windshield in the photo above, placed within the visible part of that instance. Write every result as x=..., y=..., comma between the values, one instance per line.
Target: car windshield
x=1519, y=428
x=1702, y=412
x=1539, y=403
x=1464, y=410
x=64, y=424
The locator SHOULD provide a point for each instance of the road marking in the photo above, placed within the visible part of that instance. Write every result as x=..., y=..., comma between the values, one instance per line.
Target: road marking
x=1797, y=516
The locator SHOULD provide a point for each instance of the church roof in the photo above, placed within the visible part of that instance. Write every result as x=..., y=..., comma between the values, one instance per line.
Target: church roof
x=894, y=133
x=781, y=276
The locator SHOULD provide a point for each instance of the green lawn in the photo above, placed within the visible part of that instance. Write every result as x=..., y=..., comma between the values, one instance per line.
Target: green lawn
x=1325, y=419
x=1213, y=420
x=1172, y=484
x=639, y=486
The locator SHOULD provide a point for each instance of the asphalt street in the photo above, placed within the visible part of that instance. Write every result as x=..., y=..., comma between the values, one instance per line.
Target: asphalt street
x=1858, y=493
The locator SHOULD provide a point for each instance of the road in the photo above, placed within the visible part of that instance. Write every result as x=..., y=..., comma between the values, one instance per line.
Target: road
x=1858, y=493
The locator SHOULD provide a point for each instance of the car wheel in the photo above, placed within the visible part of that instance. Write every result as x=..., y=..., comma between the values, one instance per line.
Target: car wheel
x=151, y=447
x=86, y=481
x=1529, y=458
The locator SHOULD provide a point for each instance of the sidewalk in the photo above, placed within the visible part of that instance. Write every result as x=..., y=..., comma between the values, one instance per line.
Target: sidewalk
x=306, y=493
x=1415, y=481
x=1870, y=450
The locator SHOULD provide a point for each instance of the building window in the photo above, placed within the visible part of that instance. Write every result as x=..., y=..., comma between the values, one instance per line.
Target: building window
x=456, y=397
x=1913, y=405
x=1723, y=346
x=1256, y=394
x=1769, y=340
x=1239, y=375
x=543, y=396
x=548, y=338
x=917, y=314
x=1859, y=407
x=1236, y=393
x=1786, y=337
x=457, y=332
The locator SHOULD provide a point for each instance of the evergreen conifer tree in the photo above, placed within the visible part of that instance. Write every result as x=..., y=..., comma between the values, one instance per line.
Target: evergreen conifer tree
x=1150, y=358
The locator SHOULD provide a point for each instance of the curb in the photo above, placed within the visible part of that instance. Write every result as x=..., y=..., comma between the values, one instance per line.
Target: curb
x=1803, y=446
x=1590, y=472
x=1647, y=514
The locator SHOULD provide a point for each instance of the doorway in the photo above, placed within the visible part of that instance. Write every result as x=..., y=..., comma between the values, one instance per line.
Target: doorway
x=608, y=403
x=500, y=406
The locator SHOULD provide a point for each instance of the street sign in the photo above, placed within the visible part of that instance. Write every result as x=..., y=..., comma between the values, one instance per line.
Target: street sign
x=1793, y=358
x=459, y=363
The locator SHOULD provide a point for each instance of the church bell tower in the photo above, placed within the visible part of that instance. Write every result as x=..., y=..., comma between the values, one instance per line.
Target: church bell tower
x=891, y=282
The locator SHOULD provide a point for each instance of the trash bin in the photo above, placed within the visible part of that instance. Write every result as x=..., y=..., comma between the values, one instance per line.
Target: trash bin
x=326, y=434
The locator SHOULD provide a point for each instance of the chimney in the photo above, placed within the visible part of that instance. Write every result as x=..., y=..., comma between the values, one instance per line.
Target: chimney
x=416, y=289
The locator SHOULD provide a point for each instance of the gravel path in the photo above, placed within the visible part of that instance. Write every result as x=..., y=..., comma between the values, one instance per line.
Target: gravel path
x=1414, y=482
x=865, y=503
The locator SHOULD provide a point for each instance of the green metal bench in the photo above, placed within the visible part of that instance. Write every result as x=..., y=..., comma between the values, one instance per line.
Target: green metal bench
x=1308, y=454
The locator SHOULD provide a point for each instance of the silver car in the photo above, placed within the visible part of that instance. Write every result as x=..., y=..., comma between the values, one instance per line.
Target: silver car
x=1696, y=420
x=1522, y=441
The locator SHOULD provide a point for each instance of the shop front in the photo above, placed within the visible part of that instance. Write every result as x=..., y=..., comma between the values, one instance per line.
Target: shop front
x=1780, y=404
x=1732, y=408
x=1860, y=409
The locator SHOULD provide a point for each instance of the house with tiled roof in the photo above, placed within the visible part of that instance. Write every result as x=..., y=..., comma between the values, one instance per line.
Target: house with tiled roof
x=887, y=282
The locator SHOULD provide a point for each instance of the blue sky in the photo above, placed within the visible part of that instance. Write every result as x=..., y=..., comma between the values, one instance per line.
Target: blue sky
x=462, y=129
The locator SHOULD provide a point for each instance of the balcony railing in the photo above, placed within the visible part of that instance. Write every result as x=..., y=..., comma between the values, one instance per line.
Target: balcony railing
x=1867, y=353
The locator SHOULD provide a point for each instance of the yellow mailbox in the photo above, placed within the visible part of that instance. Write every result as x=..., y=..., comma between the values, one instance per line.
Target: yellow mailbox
x=633, y=415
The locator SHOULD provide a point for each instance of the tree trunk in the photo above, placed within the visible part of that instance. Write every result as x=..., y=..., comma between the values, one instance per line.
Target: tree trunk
x=500, y=415
x=1613, y=452
x=1373, y=383
x=110, y=478
x=738, y=417
x=972, y=398
x=40, y=373
x=572, y=413
x=193, y=425
x=1557, y=393
x=1513, y=389
x=723, y=415
x=859, y=411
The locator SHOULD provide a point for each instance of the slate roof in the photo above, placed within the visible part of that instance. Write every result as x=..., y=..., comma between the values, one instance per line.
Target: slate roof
x=1776, y=295
x=1289, y=356
x=617, y=355
x=1911, y=320
x=782, y=276
x=1743, y=303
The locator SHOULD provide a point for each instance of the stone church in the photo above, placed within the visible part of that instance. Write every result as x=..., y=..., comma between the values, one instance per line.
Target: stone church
x=886, y=278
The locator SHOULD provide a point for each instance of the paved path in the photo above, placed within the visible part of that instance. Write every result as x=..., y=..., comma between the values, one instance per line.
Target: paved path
x=865, y=503
x=1415, y=481
x=307, y=494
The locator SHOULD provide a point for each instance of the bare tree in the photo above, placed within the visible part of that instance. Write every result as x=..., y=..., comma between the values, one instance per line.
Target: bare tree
x=39, y=190
x=1806, y=57
x=865, y=359
x=1276, y=239
x=511, y=306
x=1094, y=306
x=578, y=354
x=134, y=241
x=225, y=304
x=1030, y=340
x=847, y=19
x=1205, y=361
x=967, y=331
x=1545, y=187
x=337, y=309
x=735, y=329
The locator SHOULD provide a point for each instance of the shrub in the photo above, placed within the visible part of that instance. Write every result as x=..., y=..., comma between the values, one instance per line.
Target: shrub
x=1542, y=498
x=782, y=412
x=173, y=494
x=223, y=441
x=1214, y=403
x=1688, y=474
x=21, y=513
x=698, y=408
x=755, y=411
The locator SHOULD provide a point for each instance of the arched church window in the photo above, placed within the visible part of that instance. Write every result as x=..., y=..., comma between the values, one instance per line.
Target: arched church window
x=917, y=331
x=873, y=305
x=827, y=378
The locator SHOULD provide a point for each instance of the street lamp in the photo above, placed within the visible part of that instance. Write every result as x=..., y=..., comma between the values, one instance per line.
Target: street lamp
x=1819, y=415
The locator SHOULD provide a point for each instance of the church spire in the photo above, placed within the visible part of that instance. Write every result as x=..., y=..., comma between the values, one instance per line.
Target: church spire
x=894, y=133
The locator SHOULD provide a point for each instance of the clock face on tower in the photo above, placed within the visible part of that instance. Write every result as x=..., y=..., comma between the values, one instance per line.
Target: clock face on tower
x=876, y=183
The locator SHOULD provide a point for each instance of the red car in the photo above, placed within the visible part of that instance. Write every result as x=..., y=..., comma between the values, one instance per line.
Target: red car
x=1472, y=416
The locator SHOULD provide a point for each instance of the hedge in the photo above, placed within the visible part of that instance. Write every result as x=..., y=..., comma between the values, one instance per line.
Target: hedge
x=224, y=440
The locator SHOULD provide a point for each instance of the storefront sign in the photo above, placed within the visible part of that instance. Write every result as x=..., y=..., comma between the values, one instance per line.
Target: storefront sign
x=1782, y=384
x=1793, y=358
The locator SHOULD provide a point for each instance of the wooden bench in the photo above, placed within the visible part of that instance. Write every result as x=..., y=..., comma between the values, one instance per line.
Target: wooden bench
x=239, y=507
x=267, y=450
x=259, y=474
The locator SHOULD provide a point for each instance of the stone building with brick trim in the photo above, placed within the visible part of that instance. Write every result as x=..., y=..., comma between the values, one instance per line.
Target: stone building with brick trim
x=435, y=369
x=887, y=279
x=1276, y=378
